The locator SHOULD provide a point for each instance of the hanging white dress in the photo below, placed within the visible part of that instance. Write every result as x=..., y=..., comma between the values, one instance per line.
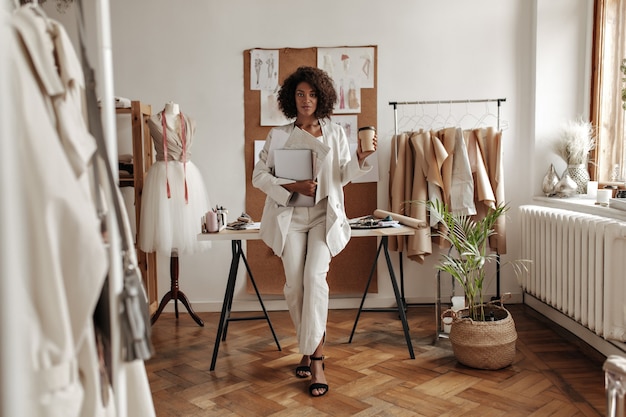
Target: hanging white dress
x=174, y=195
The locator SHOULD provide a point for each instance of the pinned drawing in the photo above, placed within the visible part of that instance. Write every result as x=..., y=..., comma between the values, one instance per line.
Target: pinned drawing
x=263, y=69
x=348, y=63
x=351, y=69
x=349, y=124
x=271, y=115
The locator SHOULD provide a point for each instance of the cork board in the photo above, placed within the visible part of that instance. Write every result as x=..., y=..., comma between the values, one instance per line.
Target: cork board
x=350, y=269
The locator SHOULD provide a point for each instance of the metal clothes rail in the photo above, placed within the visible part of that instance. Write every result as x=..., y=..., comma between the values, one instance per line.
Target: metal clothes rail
x=395, y=105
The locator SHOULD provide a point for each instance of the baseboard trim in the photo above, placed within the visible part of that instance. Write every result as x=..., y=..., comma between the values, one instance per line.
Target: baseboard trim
x=277, y=303
x=605, y=347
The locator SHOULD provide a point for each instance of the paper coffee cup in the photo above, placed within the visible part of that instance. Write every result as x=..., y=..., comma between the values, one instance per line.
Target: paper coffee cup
x=366, y=136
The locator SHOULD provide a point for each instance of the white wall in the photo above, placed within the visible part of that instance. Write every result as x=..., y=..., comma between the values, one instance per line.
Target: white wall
x=529, y=52
x=563, y=74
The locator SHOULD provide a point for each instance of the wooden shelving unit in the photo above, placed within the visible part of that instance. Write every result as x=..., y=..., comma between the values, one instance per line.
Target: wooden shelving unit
x=143, y=158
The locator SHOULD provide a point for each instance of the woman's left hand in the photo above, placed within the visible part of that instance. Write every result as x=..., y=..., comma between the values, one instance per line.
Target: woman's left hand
x=364, y=154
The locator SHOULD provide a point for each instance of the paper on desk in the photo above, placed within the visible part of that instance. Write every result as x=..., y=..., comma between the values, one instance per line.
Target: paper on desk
x=247, y=226
x=371, y=222
x=389, y=223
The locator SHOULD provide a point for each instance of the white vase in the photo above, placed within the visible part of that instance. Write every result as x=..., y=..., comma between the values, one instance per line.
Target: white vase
x=580, y=175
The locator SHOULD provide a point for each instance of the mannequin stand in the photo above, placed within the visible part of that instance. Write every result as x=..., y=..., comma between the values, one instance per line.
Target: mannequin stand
x=176, y=295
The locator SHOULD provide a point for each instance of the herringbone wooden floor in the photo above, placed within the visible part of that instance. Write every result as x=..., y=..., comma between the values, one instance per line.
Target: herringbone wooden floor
x=552, y=375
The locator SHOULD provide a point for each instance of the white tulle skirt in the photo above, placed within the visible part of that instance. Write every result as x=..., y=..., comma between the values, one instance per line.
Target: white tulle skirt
x=170, y=224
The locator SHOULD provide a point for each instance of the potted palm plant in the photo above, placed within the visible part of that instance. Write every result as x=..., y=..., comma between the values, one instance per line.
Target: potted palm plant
x=483, y=334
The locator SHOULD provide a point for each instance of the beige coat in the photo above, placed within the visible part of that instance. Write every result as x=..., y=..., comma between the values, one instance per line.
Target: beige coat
x=489, y=141
x=425, y=168
x=415, y=175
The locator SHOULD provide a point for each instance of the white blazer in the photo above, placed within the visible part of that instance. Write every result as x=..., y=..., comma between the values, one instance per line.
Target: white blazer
x=336, y=169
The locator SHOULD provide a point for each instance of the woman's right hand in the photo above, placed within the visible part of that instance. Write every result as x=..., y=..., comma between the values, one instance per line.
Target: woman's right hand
x=306, y=187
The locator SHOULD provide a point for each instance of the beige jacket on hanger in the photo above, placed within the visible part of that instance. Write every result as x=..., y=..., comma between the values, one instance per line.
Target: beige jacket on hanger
x=484, y=150
x=424, y=152
x=426, y=162
x=493, y=146
x=400, y=182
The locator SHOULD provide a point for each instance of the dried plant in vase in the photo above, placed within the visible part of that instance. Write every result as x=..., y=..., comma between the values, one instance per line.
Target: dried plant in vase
x=574, y=143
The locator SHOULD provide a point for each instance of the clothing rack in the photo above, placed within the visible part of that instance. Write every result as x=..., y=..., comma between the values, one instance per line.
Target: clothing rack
x=395, y=105
x=101, y=9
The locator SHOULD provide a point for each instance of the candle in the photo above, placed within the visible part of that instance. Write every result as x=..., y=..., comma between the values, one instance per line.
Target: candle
x=592, y=189
x=602, y=197
x=447, y=324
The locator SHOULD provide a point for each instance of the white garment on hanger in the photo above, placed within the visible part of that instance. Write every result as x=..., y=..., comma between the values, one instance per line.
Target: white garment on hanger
x=462, y=185
x=66, y=262
x=58, y=247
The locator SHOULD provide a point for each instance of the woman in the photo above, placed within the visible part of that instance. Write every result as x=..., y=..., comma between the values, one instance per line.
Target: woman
x=306, y=238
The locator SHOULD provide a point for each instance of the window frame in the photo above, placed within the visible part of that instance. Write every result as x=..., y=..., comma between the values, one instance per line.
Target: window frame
x=606, y=113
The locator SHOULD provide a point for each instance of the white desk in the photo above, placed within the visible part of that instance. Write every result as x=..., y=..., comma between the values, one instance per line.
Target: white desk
x=236, y=236
x=384, y=234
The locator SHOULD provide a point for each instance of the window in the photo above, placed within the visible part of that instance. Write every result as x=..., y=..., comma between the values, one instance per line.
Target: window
x=607, y=113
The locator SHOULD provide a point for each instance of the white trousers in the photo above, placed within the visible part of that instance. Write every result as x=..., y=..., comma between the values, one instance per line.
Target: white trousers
x=306, y=259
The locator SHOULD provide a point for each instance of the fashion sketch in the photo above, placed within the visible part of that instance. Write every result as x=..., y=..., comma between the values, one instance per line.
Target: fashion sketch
x=264, y=69
x=355, y=63
x=351, y=69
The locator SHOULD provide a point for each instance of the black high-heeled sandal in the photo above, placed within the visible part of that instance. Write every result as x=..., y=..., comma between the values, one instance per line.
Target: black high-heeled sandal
x=301, y=371
x=318, y=385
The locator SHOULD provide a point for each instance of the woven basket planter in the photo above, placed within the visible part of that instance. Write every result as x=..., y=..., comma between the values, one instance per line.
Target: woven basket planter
x=484, y=344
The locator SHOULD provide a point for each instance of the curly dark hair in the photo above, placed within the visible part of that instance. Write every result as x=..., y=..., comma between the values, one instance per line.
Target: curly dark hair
x=319, y=80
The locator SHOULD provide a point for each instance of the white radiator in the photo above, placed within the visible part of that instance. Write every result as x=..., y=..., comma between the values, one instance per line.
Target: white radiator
x=578, y=266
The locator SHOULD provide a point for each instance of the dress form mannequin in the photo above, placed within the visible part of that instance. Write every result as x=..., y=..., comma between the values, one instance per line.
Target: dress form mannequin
x=170, y=225
x=171, y=111
x=175, y=294
x=171, y=108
